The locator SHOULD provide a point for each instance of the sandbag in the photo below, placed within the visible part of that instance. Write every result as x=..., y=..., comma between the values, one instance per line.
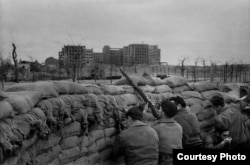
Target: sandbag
x=82, y=161
x=93, y=158
x=63, y=87
x=181, y=89
x=128, y=89
x=204, y=86
x=6, y=110
x=137, y=79
x=147, y=88
x=23, y=101
x=69, y=155
x=112, y=89
x=110, y=141
x=92, y=148
x=175, y=81
x=72, y=129
x=45, y=145
x=101, y=144
x=165, y=95
x=162, y=89
x=106, y=154
x=108, y=132
x=97, y=134
x=209, y=94
x=47, y=89
x=93, y=89
x=87, y=141
x=126, y=100
x=55, y=162
x=48, y=157
x=190, y=94
x=70, y=142
x=193, y=101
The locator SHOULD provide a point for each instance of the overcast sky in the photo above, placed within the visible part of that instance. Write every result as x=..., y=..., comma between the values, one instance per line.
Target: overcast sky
x=217, y=30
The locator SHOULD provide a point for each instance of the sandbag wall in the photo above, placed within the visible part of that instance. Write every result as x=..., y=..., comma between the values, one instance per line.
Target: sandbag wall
x=60, y=122
x=196, y=95
x=69, y=123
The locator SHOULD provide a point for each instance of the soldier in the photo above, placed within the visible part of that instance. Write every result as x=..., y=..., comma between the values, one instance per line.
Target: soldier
x=139, y=142
x=169, y=132
x=191, y=130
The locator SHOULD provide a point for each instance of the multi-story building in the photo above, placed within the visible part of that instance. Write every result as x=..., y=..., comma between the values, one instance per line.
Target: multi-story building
x=112, y=55
x=72, y=55
x=129, y=55
x=154, y=55
x=98, y=57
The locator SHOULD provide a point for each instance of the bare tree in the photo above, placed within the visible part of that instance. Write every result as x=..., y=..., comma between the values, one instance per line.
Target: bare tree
x=195, y=69
x=204, y=69
x=182, y=61
x=212, y=71
x=14, y=56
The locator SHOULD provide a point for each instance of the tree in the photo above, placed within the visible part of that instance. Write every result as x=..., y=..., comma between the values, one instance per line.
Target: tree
x=204, y=69
x=5, y=67
x=195, y=68
x=182, y=66
x=14, y=56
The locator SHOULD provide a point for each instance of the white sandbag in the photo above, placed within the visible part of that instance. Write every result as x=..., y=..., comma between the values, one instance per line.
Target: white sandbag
x=70, y=142
x=45, y=145
x=193, y=101
x=72, y=129
x=55, y=162
x=92, y=88
x=112, y=89
x=191, y=94
x=23, y=101
x=209, y=94
x=47, y=89
x=82, y=161
x=87, y=141
x=137, y=79
x=96, y=134
x=6, y=110
x=109, y=132
x=157, y=81
x=165, y=95
x=162, y=89
x=126, y=100
x=70, y=155
x=147, y=88
x=63, y=87
x=204, y=86
x=153, y=97
x=101, y=144
x=175, y=81
x=128, y=89
x=181, y=89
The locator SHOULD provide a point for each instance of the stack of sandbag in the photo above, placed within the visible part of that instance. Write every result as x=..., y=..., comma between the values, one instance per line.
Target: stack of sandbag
x=144, y=79
x=47, y=89
x=76, y=123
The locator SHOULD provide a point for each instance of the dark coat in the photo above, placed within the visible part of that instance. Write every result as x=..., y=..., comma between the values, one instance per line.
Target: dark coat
x=234, y=120
x=190, y=126
x=139, y=144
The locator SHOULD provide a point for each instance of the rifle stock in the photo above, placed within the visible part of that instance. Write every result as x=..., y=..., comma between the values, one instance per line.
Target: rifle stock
x=141, y=93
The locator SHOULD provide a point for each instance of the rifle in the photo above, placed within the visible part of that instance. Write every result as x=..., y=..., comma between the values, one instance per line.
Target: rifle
x=142, y=94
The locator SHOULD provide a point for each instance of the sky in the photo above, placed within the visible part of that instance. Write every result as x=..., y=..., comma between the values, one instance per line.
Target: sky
x=211, y=30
